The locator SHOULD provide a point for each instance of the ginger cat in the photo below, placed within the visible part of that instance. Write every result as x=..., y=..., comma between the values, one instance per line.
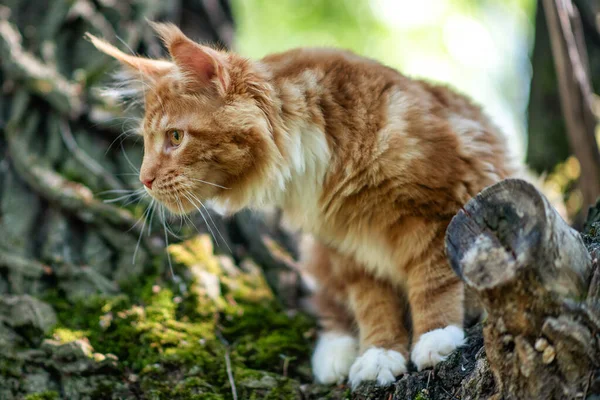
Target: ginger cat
x=373, y=164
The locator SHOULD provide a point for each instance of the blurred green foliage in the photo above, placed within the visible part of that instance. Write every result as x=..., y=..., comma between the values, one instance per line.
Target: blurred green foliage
x=481, y=47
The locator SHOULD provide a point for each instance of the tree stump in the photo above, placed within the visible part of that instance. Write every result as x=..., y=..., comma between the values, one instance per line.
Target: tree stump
x=532, y=273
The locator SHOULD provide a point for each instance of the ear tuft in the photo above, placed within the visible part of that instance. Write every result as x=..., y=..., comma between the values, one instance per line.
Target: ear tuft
x=152, y=69
x=200, y=63
x=168, y=32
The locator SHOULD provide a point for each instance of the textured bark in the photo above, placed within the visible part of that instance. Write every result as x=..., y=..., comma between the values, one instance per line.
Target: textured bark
x=532, y=272
x=61, y=157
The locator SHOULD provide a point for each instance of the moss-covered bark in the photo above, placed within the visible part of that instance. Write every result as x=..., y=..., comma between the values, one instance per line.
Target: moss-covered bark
x=162, y=339
x=89, y=307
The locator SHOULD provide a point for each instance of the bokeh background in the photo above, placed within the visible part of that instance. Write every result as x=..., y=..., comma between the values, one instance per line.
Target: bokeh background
x=486, y=49
x=481, y=48
x=103, y=295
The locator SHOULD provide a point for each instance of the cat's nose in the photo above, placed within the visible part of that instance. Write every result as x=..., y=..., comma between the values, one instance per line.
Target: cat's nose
x=148, y=182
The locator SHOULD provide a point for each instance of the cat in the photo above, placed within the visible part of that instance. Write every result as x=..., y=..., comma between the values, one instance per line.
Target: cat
x=370, y=162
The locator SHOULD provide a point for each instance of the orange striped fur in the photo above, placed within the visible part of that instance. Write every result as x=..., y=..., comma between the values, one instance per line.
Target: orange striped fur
x=370, y=162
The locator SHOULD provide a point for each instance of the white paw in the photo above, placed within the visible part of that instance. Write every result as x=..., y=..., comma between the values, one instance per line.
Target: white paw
x=433, y=347
x=333, y=356
x=377, y=364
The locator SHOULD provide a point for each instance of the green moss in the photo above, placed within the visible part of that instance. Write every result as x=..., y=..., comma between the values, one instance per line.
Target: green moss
x=188, y=389
x=175, y=344
x=267, y=338
x=422, y=395
x=48, y=395
x=255, y=385
x=65, y=335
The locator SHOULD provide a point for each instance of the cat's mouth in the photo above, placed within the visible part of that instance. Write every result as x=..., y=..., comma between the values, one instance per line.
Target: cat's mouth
x=177, y=202
x=181, y=194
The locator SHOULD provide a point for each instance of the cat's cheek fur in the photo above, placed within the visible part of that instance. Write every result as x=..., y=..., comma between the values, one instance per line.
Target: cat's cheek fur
x=334, y=354
x=434, y=346
x=377, y=364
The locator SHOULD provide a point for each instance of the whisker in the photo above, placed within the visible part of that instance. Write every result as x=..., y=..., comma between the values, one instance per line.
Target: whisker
x=203, y=217
x=128, y=160
x=135, y=195
x=127, y=174
x=164, y=220
x=208, y=183
x=215, y=226
x=119, y=191
x=135, y=199
x=167, y=244
x=126, y=133
x=152, y=208
x=182, y=214
x=138, y=221
x=186, y=217
x=137, y=246
x=210, y=217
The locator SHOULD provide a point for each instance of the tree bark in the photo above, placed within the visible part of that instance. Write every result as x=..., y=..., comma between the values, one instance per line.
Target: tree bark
x=532, y=273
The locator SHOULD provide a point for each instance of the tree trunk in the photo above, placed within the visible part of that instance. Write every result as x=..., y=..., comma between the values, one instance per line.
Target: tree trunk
x=62, y=157
x=574, y=85
x=566, y=69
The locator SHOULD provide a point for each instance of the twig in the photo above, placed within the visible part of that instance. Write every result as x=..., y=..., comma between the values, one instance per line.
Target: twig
x=228, y=364
x=588, y=384
x=230, y=374
x=87, y=11
x=447, y=392
x=29, y=268
x=429, y=378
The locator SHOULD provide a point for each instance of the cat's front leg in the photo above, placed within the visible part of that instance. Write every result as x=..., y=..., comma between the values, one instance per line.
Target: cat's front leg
x=337, y=346
x=378, y=309
x=436, y=297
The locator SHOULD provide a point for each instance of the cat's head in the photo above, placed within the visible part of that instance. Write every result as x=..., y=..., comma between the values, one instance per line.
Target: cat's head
x=206, y=128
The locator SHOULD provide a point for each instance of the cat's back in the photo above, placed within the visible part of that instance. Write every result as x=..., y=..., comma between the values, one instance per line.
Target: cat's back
x=367, y=110
x=335, y=69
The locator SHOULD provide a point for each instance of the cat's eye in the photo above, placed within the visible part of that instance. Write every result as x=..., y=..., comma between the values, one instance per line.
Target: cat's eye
x=175, y=137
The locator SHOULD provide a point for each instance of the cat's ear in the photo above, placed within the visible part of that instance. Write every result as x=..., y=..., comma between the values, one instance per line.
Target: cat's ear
x=202, y=64
x=152, y=69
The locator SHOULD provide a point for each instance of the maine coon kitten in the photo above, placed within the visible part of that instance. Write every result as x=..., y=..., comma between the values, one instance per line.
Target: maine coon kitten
x=371, y=163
